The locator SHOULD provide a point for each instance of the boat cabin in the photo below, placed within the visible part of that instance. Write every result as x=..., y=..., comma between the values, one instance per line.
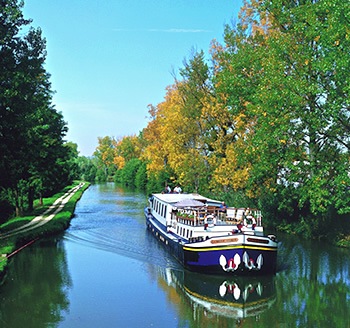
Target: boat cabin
x=194, y=217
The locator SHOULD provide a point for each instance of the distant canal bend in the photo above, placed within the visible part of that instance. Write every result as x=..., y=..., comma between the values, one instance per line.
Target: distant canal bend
x=106, y=270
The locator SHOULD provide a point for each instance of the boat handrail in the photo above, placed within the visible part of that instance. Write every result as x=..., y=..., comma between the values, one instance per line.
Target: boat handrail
x=220, y=219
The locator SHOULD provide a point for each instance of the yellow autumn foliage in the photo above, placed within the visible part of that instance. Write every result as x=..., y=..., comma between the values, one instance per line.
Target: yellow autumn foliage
x=119, y=162
x=229, y=173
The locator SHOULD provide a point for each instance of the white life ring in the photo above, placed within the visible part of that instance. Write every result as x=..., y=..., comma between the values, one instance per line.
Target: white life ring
x=210, y=220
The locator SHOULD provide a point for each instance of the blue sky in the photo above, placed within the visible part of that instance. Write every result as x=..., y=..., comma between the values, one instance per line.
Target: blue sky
x=109, y=59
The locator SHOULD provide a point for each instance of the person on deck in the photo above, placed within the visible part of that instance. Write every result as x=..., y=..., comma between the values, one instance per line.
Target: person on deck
x=178, y=189
x=223, y=207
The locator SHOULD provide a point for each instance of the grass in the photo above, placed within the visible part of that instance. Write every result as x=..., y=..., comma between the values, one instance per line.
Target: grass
x=59, y=223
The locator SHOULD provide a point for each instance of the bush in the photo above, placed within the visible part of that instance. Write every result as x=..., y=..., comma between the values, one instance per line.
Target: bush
x=141, y=177
x=129, y=172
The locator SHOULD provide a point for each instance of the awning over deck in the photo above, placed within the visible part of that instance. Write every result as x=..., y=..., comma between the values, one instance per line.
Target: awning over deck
x=188, y=203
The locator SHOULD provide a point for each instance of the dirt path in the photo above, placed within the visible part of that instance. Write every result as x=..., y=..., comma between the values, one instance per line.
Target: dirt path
x=48, y=215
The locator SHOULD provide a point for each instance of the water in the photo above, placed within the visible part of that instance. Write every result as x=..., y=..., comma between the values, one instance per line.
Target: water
x=106, y=270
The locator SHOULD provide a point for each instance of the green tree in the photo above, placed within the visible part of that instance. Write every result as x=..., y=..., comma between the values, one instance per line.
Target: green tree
x=129, y=172
x=104, y=154
x=237, y=74
x=31, y=130
x=87, y=168
x=281, y=74
x=141, y=177
x=306, y=102
x=197, y=130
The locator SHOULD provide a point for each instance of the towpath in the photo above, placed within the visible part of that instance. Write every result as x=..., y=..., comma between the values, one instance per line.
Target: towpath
x=44, y=218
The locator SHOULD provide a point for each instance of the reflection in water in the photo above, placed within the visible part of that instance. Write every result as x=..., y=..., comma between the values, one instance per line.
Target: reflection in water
x=35, y=292
x=107, y=265
x=210, y=299
x=314, y=287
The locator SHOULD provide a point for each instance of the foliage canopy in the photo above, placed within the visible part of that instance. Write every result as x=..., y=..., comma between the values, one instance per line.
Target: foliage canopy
x=267, y=119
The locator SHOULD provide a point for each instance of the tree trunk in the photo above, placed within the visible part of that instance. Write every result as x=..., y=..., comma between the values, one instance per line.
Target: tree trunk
x=30, y=198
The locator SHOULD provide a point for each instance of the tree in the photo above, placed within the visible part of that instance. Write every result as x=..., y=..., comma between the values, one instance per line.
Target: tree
x=155, y=154
x=178, y=135
x=31, y=130
x=307, y=99
x=87, y=168
x=237, y=76
x=105, y=155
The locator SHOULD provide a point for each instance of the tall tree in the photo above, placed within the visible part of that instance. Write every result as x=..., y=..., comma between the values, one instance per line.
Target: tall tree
x=105, y=154
x=307, y=98
x=190, y=124
x=31, y=130
x=237, y=76
x=155, y=153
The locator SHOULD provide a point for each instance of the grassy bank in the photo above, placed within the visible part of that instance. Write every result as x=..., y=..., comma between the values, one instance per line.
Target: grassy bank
x=57, y=224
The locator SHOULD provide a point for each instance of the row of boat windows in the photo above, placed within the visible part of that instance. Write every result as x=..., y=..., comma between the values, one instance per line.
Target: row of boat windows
x=159, y=207
x=186, y=233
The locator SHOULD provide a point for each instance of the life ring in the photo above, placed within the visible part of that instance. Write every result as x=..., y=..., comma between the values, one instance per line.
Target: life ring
x=210, y=220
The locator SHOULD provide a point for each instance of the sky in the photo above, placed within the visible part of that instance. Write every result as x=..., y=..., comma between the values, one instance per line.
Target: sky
x=110, y=59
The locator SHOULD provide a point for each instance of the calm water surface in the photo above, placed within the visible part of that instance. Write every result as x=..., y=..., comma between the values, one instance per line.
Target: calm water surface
x=107, y=271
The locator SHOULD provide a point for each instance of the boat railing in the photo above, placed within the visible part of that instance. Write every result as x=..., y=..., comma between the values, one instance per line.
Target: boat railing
x=195, y=217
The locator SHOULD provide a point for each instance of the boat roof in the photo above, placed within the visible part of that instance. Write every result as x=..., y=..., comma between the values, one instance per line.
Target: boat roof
x=173, y=198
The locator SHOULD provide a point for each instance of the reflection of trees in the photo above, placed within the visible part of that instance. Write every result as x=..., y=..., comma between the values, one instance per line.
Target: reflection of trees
x=34, y=293
x=314, y=290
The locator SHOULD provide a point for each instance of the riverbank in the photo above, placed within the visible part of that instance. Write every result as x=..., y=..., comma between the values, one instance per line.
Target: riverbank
x=51, y=218
x=337, y=233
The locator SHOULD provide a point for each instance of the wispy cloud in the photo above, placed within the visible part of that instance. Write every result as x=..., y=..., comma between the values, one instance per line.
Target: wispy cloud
x=169, y=30
x=178, y=30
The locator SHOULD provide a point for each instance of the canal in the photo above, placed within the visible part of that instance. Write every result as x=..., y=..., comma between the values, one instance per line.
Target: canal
x=106, y=270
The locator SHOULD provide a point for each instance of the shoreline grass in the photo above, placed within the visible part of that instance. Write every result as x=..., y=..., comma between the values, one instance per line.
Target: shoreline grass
x=57, y=224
